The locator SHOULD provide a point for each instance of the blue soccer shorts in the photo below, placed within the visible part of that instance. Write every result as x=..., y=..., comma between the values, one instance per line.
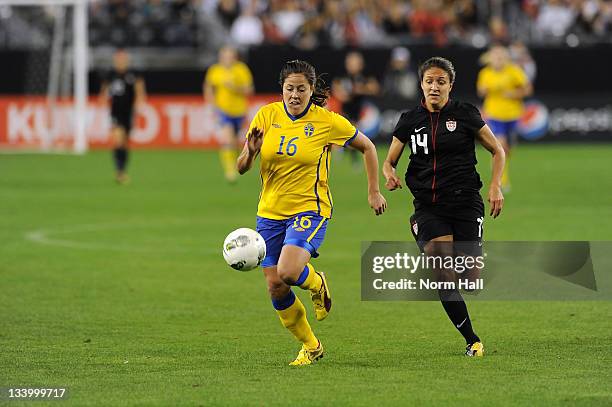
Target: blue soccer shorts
x=305, y=230
x=234, y=121
x=504, y=129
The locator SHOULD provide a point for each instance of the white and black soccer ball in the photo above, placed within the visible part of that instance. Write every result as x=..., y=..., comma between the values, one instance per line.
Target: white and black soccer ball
x=244, y=249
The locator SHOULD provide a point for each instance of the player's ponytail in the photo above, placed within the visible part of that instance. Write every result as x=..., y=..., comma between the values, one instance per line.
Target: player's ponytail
x=321, y=90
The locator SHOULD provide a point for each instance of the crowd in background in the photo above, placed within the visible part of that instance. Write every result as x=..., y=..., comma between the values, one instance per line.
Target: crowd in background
x=308, y=24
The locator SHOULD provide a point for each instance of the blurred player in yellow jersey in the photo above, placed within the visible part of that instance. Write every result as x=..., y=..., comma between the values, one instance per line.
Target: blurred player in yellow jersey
x=228, y=84
x=294, y=139
x=503, y=85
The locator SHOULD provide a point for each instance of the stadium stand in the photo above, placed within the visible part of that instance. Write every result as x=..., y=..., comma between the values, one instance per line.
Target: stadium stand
x=309, y=24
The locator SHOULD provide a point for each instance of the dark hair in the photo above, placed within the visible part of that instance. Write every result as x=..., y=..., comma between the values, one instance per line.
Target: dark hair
x=321, y=90
x=438, y=62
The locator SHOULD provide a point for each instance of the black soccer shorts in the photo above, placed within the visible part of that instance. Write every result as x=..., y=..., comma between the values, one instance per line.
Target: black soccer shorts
x=462, y=220
x=123, y=120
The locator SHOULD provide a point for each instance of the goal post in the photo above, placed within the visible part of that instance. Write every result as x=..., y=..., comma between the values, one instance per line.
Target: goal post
x=80, y=75
x=75, y=52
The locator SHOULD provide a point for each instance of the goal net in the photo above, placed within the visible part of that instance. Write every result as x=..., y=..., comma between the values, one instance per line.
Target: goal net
x=46, y=110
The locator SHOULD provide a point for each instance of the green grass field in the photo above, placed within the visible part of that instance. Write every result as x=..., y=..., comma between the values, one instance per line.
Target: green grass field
x=121, y=293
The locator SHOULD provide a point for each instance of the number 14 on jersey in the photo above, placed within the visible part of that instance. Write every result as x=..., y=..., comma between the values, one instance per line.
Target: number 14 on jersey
x=419, y=140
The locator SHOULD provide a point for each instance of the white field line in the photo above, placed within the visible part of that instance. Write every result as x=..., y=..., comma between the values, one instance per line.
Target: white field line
x=50, y=237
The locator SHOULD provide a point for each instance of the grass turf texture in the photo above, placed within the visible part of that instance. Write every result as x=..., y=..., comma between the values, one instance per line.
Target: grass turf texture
x=122, y=295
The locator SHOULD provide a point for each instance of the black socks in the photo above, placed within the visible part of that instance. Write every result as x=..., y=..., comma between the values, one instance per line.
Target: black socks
x=455, y=308
x=120, y=156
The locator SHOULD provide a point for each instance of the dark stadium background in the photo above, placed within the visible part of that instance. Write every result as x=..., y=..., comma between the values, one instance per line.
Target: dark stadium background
x=173, y=42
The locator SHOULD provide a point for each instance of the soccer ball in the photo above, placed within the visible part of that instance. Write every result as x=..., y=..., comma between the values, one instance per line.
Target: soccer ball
x=244, y=249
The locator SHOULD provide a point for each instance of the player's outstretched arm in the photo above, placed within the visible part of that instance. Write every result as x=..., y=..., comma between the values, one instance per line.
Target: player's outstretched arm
x=367, y=148
x=490, y=142
x=250, y=150
x=208, y=91
x=390, y=163
x=103, y=96
x=141, y=92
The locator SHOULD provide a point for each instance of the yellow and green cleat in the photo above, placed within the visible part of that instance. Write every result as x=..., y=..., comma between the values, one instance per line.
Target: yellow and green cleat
x=322, y=299
x=474, y=349
x=308, y=356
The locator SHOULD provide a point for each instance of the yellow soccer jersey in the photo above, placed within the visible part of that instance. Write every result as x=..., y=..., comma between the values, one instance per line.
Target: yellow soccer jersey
x=497, y=106
x=227, y=100
x=295, y=159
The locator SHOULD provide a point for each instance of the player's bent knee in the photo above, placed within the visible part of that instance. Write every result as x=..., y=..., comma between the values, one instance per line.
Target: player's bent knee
x=445, y=275
x=277, y=289
x=287, y=275
x=119, y=137
x=439, y=248
x=473, y=274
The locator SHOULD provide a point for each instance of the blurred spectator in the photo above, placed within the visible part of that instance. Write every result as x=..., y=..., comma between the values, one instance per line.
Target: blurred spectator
x=465, y=15
x=530, y=8
x=287, y=17
x=554, y=19
x=587, y=12
x=336, y=22
x=602, y=25
x=365, y=21
x=498, y=31
x=428, y=18
x=312, y=34
x=180, y=28
x=272, y=34
x=395, y=21
x=400, y=80
x=248, y=28
x=228, y=11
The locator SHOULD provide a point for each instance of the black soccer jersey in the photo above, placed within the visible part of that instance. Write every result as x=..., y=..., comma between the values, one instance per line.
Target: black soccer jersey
x=121, y=90
x=442, y=164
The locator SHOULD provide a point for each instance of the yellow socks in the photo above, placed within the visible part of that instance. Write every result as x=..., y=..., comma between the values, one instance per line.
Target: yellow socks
x=292, y=314
x=505, y=181
x=309, y=280
x=228, y=158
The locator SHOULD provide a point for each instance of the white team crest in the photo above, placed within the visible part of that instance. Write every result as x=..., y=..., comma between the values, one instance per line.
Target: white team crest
x=415, y=228
x=451, y=125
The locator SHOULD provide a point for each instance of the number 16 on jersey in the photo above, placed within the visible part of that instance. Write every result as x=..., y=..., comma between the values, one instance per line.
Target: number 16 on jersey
x=291, y=147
